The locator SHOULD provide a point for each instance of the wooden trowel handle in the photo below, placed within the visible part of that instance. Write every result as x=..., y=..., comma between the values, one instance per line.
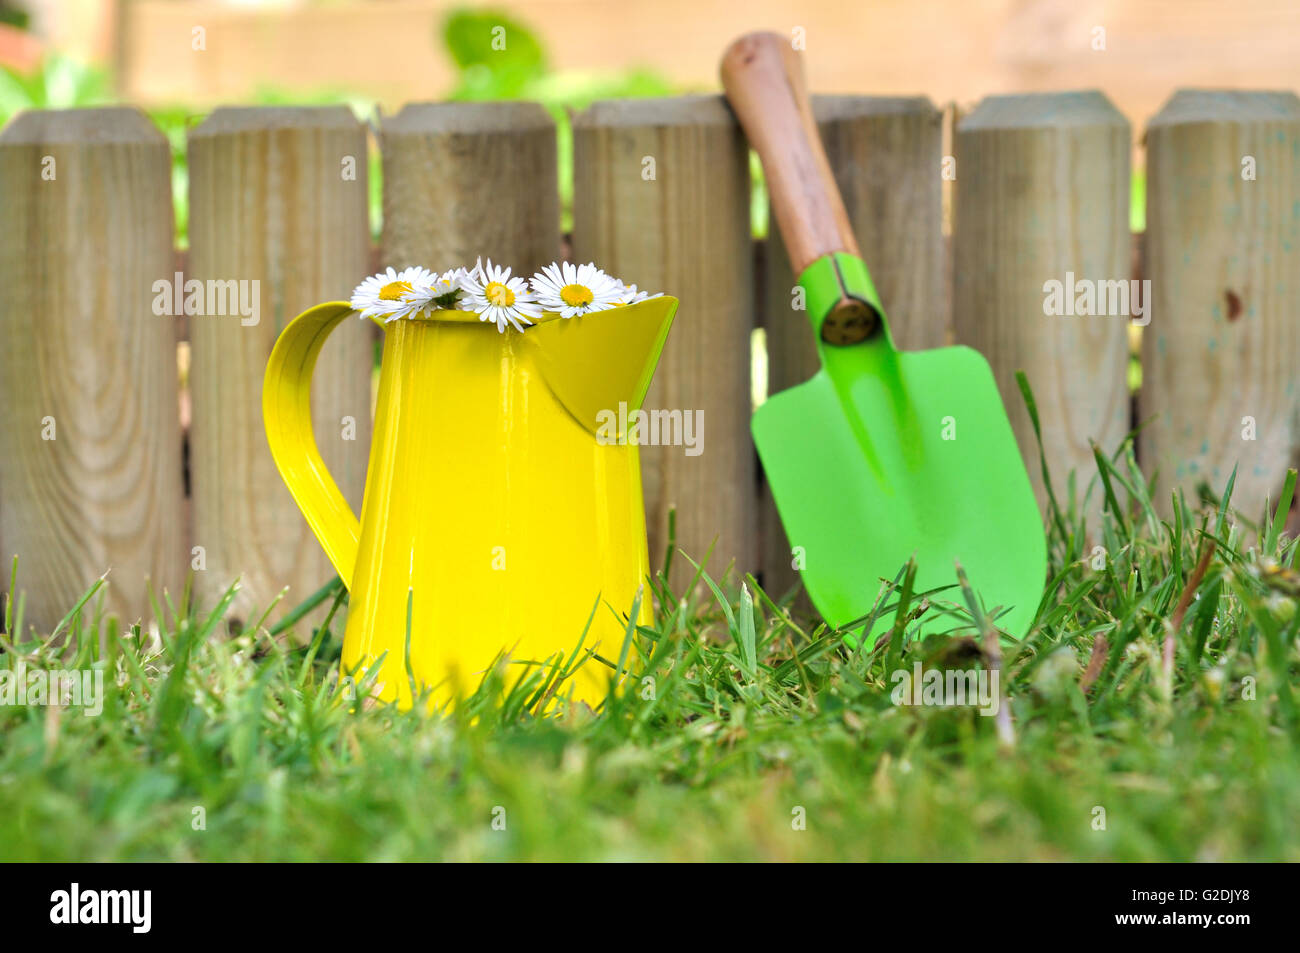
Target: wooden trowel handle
x=763, y=77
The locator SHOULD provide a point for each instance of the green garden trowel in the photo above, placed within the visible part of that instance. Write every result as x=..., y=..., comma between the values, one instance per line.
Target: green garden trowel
x=883, y=455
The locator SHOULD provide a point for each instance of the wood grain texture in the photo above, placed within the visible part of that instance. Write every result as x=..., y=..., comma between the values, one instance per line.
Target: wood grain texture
x=1042, y=191
x=1223, y=256
x=463, y=180
x=270, y=202
x=685, y=231
x=886, y=155
x=85, y=355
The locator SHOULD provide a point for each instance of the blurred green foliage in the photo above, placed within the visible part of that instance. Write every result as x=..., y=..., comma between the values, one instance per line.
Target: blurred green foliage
x=57, y=83
x=12, y=15
x=499, y=58
x=493, y=51
x=63, y=83
x=1137, y=212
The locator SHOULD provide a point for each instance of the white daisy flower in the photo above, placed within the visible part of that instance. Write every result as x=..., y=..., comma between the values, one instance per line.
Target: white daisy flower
x=629, y=295
x=490, y=292
x=439, y=293
x=388, y=295
x=572, y=290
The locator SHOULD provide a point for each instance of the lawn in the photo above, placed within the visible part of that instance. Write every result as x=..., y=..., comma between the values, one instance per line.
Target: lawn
x=748, y=732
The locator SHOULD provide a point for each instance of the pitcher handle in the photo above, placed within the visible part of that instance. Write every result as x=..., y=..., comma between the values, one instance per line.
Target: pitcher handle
x=286, y=411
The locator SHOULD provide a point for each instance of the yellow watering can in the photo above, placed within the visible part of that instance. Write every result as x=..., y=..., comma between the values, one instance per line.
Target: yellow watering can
x=500, y=503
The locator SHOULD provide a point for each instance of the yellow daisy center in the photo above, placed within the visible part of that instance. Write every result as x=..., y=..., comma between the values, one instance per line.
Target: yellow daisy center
x=575, y=296
x=499, y=295
x=394, y=290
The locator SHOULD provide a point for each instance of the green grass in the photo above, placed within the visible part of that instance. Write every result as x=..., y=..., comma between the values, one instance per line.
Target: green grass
x=757, y=719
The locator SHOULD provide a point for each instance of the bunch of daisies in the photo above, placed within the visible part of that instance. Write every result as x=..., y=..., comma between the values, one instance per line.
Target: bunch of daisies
x=488, y=290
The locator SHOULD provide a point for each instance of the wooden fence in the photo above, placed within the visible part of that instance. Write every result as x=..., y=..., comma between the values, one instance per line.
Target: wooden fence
x=97, y=470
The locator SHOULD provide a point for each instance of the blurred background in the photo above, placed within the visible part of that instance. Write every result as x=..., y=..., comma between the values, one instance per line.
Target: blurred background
x=397, y=50
x=393, y=51
x=178, y=58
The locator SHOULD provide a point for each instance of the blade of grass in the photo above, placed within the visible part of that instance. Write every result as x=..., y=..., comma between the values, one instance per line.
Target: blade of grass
x=895, y=654
x=1278, y=520
x=1031, y=405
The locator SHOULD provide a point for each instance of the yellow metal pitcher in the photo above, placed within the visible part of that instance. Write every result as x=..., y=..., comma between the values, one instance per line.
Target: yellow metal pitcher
x=497, y=510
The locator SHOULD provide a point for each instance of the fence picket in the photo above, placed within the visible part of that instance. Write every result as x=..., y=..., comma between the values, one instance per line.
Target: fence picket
x=662, y=192
x=1042, y=194
x=90, y=458
x=277, y=196
x=463, y=180
x=1220, y=356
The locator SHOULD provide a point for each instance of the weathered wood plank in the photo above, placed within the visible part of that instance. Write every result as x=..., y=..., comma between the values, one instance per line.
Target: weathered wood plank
x=90, y=455
x=277, y=197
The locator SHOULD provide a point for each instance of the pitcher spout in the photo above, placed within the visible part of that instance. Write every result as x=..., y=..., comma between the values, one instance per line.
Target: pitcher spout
x=601, y=362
